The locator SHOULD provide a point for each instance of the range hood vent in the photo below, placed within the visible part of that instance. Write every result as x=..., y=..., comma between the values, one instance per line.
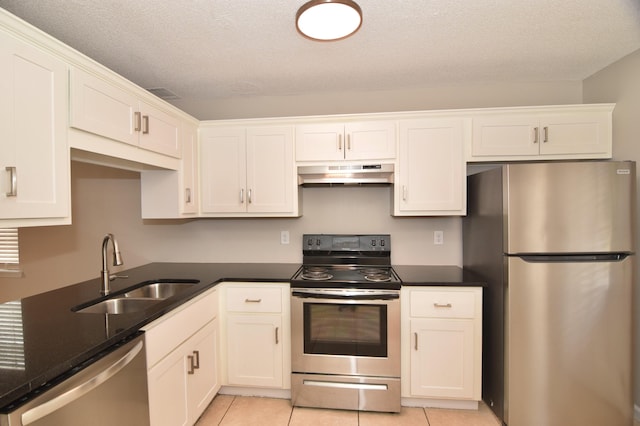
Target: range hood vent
x=352, y=174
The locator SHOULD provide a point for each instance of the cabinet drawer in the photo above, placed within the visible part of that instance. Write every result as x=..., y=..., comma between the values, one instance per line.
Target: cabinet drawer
x=443, y=304
x=169, y=331
x=254, y=299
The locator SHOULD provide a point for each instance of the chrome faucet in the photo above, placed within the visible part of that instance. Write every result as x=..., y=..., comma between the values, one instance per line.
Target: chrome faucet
x=117, y=260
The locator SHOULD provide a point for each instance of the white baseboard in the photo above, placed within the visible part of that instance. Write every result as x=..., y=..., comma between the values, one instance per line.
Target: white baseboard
x=440, y=403
x=261, y=392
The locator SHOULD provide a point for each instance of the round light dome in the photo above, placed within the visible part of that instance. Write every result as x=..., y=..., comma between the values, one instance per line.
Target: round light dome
x=327, y=20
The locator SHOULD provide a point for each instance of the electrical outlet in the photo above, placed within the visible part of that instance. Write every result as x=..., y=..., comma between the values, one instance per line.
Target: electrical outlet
x=284, y=237
x=438, y=237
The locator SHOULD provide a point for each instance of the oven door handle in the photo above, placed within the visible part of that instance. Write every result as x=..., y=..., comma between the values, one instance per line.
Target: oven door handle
x=364, y=296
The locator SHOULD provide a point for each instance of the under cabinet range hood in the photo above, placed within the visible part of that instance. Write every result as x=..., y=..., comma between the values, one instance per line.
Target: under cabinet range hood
x=348, y=174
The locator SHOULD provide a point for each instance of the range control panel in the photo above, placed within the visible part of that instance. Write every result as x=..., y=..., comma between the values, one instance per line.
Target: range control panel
x=346, y=243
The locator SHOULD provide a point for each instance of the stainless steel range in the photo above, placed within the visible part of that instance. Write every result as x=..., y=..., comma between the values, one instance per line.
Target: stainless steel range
x=345, y=324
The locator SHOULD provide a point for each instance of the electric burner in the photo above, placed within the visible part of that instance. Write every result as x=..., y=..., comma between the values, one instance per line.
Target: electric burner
x=346, y=261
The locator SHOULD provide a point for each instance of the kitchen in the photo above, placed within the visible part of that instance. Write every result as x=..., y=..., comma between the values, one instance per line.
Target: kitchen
x=108, y=200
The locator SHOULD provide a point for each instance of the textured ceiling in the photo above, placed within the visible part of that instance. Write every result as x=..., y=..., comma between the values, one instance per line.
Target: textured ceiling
x=208, y=49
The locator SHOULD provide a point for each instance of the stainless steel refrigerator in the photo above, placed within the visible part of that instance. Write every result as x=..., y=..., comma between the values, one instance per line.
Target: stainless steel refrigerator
x=555, y=243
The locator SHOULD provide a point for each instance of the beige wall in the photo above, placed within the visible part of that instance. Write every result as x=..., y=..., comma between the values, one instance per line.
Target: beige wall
x=404, y=99
x=620, y=83
x=108, y=200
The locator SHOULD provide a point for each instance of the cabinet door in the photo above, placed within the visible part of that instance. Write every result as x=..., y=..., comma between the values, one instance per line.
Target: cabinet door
x=516, y=135
x=204, y=382
x=583, y=133
x=432, y=175
x=318, y=142
x=442, y=358
x=270, y=170
x=254, y=350
x=102, y=108
x=167, y=382
x=189, y=189
x=375, y=140
x=159, y=131
x=34, y=154
x=223, y=170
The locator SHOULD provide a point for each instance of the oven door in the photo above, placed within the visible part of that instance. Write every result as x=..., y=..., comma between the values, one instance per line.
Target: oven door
x=345, y=332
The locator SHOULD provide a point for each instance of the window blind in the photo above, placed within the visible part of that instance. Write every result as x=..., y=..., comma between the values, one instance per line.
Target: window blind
x=11, y=336
x=9, y=251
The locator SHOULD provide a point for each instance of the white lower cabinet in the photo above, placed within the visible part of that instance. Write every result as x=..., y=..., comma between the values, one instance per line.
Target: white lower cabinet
x=182, y=362
x=257, y=335
x=442, y=346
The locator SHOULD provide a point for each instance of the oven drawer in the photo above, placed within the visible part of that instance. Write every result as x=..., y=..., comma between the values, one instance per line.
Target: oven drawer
x=443, y=304
x=254, y=299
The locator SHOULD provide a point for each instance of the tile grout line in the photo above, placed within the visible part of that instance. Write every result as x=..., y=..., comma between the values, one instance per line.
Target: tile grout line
x=227, y=410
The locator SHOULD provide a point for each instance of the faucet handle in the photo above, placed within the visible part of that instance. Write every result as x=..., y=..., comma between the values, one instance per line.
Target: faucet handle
x=114, y=276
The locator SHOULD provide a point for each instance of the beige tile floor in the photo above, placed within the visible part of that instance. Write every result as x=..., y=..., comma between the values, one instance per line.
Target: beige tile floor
x=227, y=410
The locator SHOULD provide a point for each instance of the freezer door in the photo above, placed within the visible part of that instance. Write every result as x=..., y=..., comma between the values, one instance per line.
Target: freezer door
x=568, y=343
x=575, y=207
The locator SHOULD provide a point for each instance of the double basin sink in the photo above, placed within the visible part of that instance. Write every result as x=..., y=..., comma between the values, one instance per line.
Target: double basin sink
x=136, y=298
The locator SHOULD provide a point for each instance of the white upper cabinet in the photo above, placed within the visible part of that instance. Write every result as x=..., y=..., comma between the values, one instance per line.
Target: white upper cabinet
x=167, y=194
x=577, y=131
x=248, y=171
x=100, y=107
x=367, y=140
x=431, y=172
x=34, y=155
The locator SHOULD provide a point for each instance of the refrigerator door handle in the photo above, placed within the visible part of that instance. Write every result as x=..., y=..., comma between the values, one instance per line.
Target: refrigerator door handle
x=596, y=257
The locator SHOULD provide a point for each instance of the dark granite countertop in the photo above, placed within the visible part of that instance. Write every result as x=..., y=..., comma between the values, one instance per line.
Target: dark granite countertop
x=56, y=339
x=432, y=275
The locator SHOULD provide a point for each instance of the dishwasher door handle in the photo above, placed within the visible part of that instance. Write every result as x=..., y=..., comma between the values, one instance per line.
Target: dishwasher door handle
x=59, y=401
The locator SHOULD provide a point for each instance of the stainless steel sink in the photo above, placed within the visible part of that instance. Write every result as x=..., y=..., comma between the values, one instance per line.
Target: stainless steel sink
x=120, y=305
x=136, y=298
x=158, y=290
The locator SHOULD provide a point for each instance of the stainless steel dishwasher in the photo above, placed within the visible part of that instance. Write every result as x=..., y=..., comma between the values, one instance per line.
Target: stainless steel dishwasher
x=111, y=390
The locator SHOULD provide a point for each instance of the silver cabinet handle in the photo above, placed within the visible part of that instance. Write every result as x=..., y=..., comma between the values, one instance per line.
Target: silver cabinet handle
x=535, y=135
x=145, y=124
x=404, y=193
x=192, y=367
x=416, y=342
x=252, y=300
x=277, y=340
x=196, y=354
x=339, y=142
x=73, y=394
x=242, y=196
x=546, y=134
x=187, y=195
x=442, y=305
x=13, y=179
x=349, y=142
x=249, y=196
x=137, y=122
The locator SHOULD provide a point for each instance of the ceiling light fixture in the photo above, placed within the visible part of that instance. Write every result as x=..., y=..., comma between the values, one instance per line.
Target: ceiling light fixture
x=328, y=20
